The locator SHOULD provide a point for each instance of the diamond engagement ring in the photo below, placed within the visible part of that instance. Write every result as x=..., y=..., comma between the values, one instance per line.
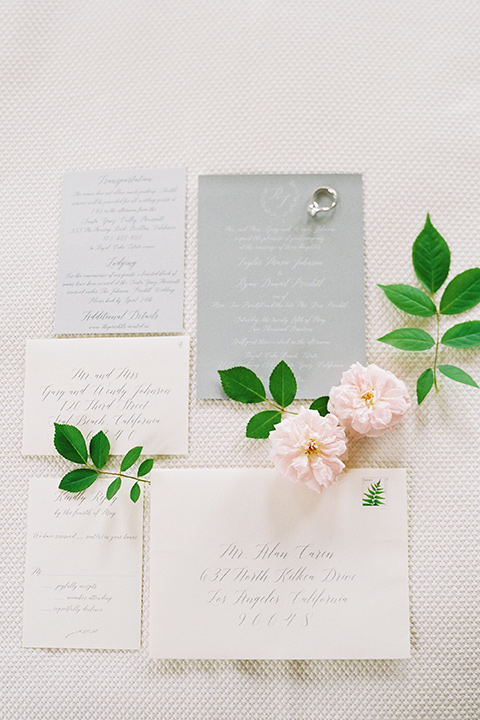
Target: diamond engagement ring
x=323, y=200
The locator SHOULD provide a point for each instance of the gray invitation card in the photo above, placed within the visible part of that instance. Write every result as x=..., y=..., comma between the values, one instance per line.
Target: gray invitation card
x=275, y=283
x=121, y=256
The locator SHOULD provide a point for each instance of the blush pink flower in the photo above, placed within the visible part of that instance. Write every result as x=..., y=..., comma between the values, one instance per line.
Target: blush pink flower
x=308, y=448
x=368, y=400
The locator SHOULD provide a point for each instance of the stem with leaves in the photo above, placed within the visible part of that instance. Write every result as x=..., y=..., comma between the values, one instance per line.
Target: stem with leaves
x=242, y=384
x=70, y=444
x=431, y=263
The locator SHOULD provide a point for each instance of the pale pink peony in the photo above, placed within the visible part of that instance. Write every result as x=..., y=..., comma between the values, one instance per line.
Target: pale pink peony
x=368, y=400
x=307, y=448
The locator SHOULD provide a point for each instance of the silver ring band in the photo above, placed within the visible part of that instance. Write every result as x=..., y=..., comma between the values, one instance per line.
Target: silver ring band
x=317, y=203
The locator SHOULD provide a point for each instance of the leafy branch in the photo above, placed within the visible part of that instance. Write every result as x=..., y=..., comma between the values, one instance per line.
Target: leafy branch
x=375, y=495
x=70, y=444
x=431, y=263
x=242, y=384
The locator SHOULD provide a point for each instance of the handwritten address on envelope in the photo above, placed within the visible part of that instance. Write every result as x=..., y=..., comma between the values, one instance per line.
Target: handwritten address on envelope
x=262, y=568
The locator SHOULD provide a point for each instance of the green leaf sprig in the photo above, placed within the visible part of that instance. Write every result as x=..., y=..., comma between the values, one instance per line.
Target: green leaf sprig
x=242, y=384
x=431, y=263
x=71, y=445
x=375, y=495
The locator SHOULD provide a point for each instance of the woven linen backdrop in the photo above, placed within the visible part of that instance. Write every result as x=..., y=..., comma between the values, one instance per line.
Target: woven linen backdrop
x=257, y=86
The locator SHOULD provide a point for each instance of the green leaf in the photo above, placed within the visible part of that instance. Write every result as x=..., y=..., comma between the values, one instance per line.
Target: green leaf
x=375, y=495
x=431, y=257
x=241, y=384
x=130, y=458
x=78, y=480
x=424, y=385
x=145, y=467
x=320, y=404
x=409, y=339
x=461, y=293
x=70, y=443
x=99, y=449
x=457, y=374
x=261, y=424
x=410, y=299
x=463, y=335
x=135, y=492
x=113, y=488
x=283, y=384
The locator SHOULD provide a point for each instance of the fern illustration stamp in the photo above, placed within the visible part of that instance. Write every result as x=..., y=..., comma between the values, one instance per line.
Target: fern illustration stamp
x=374, y=492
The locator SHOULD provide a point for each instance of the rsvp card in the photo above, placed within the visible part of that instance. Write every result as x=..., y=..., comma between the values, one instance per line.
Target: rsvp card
x=121, y=254
x=261, y=568
x=83, y=573
x=276, y=284
x=134, y=389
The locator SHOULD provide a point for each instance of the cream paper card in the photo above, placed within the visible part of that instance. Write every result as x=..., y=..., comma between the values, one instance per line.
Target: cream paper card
x=134, y=389
x=83, y=573
x=245, y=564
x=121, y=255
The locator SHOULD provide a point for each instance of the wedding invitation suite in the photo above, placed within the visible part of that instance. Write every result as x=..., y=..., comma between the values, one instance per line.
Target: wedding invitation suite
x=83, y=573
x=275, y=283
x=134, y=389
x=245, y=564
x=121, y=257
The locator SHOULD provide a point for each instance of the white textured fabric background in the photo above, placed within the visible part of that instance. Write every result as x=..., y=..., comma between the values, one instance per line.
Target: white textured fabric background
x=390, y=89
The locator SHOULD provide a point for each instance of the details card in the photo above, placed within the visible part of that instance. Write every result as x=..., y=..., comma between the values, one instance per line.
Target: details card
x=121, y=256
x=274, y=283
x=262, y=568
x=83, y=573
x=134, y=389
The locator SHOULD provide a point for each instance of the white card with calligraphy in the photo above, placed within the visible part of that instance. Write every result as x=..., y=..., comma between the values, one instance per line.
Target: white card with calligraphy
x=245, y=564
x=83, y=572
x=121, y=255
x=134, y=389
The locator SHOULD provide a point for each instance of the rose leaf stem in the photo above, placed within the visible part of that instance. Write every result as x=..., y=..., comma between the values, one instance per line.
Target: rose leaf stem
x=437, y=343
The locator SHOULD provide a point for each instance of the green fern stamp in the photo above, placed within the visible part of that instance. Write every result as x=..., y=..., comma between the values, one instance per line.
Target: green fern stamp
x=375, y=495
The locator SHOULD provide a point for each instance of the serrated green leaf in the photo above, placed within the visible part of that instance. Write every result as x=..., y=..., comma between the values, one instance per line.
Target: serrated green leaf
x=463, y=335
x=320, y=404
x=130, y=458
x=78, y=480
x=70, y=443
x=135, y=492
x=99, y=449
x=461, y=293
x=409, y=339
x=424, y=385
x=410, y=299
x=241, y=384
x=283, y=384
x=431, y=257
x=113, y=488
x=457, y=374
x=145, y=467
x=261, y=424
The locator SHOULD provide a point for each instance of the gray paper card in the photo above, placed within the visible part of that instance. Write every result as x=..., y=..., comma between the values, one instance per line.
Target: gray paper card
x=275, y=283
x=122, y=238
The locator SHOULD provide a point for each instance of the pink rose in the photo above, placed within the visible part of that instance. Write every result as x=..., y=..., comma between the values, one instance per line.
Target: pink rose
x=368, y=400
x=307, y=448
